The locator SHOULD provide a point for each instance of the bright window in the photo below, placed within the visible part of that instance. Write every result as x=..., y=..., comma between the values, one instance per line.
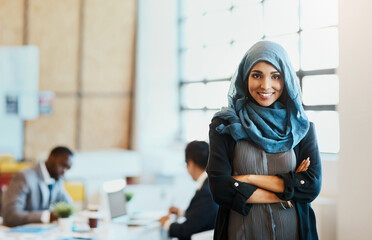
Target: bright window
x=215, y=34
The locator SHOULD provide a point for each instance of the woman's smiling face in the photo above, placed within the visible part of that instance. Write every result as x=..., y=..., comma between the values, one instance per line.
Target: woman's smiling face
x=265, y=84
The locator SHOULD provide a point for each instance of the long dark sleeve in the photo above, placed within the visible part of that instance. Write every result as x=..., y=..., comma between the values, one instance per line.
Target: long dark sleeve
x=226, y=191
x=304, y=186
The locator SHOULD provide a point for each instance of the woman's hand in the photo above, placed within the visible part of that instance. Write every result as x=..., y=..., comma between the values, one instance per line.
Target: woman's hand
x=267, y=182
x=304, y=165
x=241, y=178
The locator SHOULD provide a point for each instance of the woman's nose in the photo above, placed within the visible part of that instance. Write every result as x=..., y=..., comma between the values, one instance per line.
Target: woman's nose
x=265, y=83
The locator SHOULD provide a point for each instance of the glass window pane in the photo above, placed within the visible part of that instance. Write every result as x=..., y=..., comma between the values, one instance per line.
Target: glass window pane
x=319, y=49
x=193, y=95
x=290, y=43
x=238, y=3
x=239, y=48
x=218, y=62
x=192, y=7
x=230, y=62
x=320, y=90
x=195, y=125
x=217, y=27
x=192, y=32
x=217, y=94
x=192, y=62
x=213, y=5
x=281, y=17
x=326, y=12
x=247, y=22
x=327, y=129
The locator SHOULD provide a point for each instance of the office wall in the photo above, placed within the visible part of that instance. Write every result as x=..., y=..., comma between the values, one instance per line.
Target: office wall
x=11, y=34
x=11, y=22
x=156, y=93
x=87, y=58
x=53, y=26
x=355, y=163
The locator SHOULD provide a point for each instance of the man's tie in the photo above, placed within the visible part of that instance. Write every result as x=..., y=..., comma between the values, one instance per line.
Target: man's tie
x=50, y=187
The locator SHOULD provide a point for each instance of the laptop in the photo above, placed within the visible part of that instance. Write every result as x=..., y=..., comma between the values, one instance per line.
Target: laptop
x=116, y=200
x=117, y=206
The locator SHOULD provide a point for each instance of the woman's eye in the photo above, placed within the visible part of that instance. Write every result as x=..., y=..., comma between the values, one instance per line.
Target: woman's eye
x=256, y=76
x=276, y=77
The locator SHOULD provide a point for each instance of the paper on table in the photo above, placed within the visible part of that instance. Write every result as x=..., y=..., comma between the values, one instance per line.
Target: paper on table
x=31, y=229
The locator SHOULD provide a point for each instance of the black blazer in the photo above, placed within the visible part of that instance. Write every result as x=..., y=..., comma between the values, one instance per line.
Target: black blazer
x=200, y=215
x=302, y=188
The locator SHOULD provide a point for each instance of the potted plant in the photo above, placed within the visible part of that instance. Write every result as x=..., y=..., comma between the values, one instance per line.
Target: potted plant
x=128, y=196
x=64, y=211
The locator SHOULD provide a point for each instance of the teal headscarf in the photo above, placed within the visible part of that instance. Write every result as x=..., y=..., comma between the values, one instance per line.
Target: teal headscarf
x=277, y=128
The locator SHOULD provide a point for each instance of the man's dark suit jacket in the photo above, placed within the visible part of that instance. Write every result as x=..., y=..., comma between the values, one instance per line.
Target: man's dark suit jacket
x=200, y=215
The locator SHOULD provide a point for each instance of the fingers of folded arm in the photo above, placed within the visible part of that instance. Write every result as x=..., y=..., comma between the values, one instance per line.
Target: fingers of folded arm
x=304, y=165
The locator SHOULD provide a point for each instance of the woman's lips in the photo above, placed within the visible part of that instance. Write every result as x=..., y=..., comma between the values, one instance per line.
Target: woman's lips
x=265, y=95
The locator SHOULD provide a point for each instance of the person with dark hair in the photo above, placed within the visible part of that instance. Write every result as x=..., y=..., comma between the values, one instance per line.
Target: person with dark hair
x=264, y=166
x=198, y=152
x=201, y=213
x=31, y=192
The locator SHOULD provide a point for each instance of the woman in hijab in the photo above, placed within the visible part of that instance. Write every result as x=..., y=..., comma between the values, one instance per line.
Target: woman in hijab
x=264, y=167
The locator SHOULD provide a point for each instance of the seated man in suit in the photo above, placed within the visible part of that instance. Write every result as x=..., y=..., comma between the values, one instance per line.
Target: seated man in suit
x=201, y=212
x=31, y=192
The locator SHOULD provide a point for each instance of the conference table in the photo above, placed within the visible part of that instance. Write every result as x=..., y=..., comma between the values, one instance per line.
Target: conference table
x=105, y=231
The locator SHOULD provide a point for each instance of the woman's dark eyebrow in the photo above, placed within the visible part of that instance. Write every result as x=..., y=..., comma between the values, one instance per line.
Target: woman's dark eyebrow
x=258, y=71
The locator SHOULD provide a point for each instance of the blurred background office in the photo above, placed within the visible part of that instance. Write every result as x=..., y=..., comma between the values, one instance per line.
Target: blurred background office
x=123, y=83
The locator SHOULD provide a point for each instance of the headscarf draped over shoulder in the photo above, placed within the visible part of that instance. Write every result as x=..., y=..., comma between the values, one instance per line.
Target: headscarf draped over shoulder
x=277, y=128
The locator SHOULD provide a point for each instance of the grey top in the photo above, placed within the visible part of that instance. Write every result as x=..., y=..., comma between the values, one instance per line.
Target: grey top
x=27, y=196
x=264, y=221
